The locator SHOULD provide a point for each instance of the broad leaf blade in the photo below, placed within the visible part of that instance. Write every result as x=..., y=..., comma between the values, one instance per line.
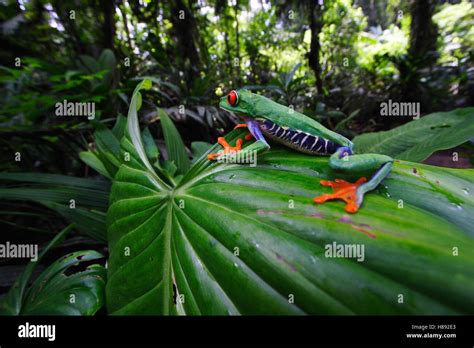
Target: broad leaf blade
x=63, y=290
x=442, y=191
x=229, y=239
x=416, y=140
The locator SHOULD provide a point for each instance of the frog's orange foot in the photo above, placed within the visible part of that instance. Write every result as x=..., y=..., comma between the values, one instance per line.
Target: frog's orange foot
x=343, y=190
x=227, y=148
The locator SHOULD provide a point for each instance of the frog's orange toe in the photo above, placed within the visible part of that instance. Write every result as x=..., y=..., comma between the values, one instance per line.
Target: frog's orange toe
x=343, y=190
x=227, y=148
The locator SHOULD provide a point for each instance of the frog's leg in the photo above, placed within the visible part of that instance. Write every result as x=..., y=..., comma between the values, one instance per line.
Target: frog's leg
x=229, y=152
x=353, y=193
x=242, y=125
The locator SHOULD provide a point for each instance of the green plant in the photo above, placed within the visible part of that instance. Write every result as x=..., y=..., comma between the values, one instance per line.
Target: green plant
x=31, y=91
x=416, y=140
x=232, y=239
x=455, y=23
x=79, y=200
x=52, y=291
x=180, y=104
x=285, y=85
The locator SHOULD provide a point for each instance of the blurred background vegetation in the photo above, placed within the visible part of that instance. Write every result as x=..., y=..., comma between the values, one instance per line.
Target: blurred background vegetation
x=334, y=60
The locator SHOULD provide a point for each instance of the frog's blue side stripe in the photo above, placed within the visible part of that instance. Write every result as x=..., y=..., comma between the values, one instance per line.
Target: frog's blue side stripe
x=300, y=139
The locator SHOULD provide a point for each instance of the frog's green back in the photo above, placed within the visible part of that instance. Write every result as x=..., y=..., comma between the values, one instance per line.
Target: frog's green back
x=257, y=106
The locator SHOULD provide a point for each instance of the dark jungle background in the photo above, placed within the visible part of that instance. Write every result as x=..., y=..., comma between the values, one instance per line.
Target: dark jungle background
x=334, y=60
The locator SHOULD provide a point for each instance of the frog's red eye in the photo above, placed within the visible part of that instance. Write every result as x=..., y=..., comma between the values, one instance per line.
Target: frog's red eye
x=233, y=98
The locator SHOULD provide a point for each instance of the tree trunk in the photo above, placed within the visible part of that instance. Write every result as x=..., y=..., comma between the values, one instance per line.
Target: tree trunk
x=108, y=8
x=187, y=34
x=63, y=13
x=227, y=51
x=315, y=47
x=421, y=53
x=237, y=40
x=423, y=32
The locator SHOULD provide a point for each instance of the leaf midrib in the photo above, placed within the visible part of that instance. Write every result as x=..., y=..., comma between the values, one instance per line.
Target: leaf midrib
x=285, y=232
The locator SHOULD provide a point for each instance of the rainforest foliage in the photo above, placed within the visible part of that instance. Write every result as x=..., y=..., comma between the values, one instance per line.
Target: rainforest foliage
x=107, y=112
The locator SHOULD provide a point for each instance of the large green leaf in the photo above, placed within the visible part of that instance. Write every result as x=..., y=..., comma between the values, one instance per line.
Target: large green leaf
x=59, y=292
x=235, y=239
x=417, y=140
x=70, y=286
x=445, y=192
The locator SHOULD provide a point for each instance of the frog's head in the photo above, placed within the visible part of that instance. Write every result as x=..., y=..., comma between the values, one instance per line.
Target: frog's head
x=239, y=101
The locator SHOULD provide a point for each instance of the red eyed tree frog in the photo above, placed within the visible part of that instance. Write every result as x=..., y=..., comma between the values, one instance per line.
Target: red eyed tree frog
x=282, y=124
